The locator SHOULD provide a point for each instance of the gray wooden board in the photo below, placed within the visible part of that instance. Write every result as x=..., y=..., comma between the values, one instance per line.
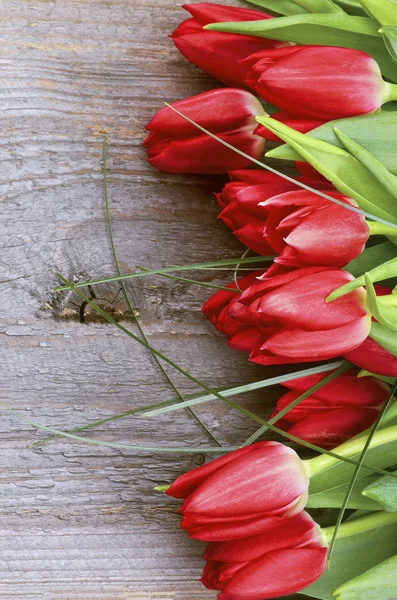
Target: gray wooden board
x=80, y=521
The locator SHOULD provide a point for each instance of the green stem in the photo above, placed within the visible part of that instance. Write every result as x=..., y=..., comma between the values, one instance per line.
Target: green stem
x=390, y=92
x=376, y=228
x=351, y=448
x=359, y=526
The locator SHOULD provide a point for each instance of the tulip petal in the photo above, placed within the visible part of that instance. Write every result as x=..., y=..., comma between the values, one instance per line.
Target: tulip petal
x=232, y=530
x=188, y=482
x=331, y=428
x=301, y=303
x=318, y=345
x=289, y=534
x=268, y=479
x=373, y=358
x=276, y=574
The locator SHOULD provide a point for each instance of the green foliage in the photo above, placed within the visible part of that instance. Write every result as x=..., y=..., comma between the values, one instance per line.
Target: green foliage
x=384, y=11
x=372, y=257
x=375, y=584
x=383, y=490
x=363, y=544
x=347, y=173
x=377, y=133
x=389, y=35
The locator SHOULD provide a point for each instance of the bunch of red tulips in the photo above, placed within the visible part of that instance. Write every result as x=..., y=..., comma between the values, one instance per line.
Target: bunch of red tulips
x=249, y=504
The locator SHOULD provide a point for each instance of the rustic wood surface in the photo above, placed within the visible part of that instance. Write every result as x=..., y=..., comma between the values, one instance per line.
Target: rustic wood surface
x=80, y=521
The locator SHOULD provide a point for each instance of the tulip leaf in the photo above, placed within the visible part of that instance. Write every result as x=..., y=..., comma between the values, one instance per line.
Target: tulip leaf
x=320, y=6
x=334, y=497
x=377, y=133
x=380, y=273
x=360, y=33
x=359, y=547
x=348, y=175
x=282, y=7
x=389, y=35
x=385, y=178
x=384, y=491
x=352, y=7
x=371, y=257
x=327, y=471
x=378, y=582
x=384, y=11
x=384, y=337
x=385, y=315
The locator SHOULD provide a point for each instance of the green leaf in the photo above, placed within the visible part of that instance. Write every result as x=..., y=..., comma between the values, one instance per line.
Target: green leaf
x=376, y=583
x=372, y=257
x=360, y=33
x=333, y=497
x=377, y=133
x=389, y=35
x=384, y=491
x=282, y=7
x=320, y=6
x=385, y=315
x=352, y=7
x=329, y=472
x=384, y=11
x=363, y=543
x=380, y=273
x=348, y=175
x=384, y=337
x=378, y=170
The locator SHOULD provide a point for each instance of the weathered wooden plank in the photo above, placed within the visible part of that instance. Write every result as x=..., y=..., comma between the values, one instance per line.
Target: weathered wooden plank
x=80, y=521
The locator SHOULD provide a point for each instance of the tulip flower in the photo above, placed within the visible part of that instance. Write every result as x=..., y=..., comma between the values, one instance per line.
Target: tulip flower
x=319, y=82
x=279, y=217
x=336, y=412
x=243, y=493
x=373, y=358
x=281, y=561
x=176, y=146
x=215, y=52
x=288, y=319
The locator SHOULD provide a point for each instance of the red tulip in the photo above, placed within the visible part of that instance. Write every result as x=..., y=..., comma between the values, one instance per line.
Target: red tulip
x=296, y=322
x=318, y=82
x=301, y=125
x=281, y=561
x=336, y=412
x=242, y=494
x=217, y=53
x=279, y=217
x=176, y=146
x=288, y=320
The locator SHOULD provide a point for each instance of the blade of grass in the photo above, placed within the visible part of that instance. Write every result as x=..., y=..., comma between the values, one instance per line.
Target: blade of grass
x=208, y=389
x=286, y=177
x=195, y=282
x=225, y=391
x=172, y=269
x=343, y=367
x=236, y=269
x=176, y=450
x=250, y=387
x=357, y=470
x=129, y=303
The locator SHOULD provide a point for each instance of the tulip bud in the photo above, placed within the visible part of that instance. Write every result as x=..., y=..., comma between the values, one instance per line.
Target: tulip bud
x=280, y=561
x=245, y=493
x=217, y=53
x=336, y=412
x=319, y=82
x=302, y=125
x=176, y=146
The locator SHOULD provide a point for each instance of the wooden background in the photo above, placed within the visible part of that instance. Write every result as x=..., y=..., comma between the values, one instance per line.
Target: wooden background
x=80, y=521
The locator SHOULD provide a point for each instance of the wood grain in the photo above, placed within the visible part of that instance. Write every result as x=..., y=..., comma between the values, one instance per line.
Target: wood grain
x=80, y=521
